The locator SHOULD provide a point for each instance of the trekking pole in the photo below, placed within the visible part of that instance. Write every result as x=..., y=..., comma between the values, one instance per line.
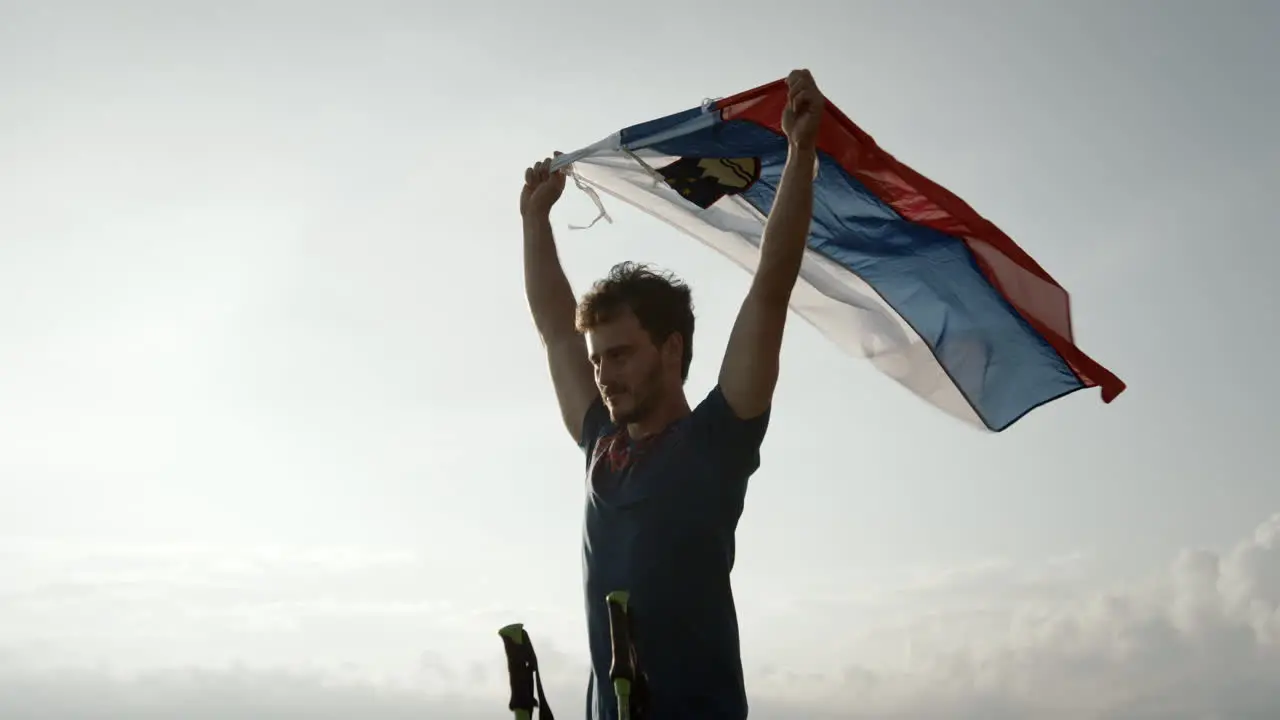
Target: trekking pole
x=522, y=665
x=628, y=682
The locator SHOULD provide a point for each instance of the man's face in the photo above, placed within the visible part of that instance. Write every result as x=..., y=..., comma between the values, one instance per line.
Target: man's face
x=629, y=367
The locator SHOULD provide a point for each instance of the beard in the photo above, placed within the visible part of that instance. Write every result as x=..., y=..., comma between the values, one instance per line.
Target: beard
x=645, y=397
x=633, y=413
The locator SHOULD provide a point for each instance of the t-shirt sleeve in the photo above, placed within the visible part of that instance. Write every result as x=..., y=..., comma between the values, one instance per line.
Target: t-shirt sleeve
x=735, y=441
x=595, y=423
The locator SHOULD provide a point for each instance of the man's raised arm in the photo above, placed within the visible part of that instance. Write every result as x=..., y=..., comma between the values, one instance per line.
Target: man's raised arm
x=551, y=299
x=749, y=372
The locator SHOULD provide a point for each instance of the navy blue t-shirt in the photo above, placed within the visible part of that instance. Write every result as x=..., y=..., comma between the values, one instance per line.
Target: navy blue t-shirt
x=659, y=523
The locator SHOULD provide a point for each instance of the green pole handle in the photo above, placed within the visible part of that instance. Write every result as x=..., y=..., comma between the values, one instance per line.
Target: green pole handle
x=515, y=642
x=622, y=668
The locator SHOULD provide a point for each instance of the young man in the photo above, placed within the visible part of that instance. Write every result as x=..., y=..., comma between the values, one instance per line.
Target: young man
x=666, y=483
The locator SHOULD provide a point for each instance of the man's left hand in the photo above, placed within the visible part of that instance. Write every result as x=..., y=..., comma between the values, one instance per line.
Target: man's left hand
x=803, y=113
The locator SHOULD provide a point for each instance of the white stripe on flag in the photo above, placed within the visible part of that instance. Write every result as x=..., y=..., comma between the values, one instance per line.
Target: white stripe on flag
x=833, y=299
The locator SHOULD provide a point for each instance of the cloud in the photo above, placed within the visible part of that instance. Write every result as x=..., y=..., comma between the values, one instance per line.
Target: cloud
x=219, y=694
x=269, y=694
x=1197, y=640
x=140, y=606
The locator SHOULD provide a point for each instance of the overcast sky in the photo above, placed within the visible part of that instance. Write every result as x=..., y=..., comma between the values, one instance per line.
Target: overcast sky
x=276, y=435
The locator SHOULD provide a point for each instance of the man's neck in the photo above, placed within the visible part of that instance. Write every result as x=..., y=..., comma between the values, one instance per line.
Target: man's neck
x=662, y=416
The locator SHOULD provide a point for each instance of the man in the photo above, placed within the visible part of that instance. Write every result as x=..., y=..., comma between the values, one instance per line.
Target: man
x=666, y=483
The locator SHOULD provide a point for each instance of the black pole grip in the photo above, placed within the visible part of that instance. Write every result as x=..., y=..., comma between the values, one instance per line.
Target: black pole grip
x=520, y=669
x=623, y=664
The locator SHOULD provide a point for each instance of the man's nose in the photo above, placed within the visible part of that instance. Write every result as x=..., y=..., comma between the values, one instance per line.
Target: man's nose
x=606, y=371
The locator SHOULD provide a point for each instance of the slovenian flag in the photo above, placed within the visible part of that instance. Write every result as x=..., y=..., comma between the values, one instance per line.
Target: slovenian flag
x=898, y=270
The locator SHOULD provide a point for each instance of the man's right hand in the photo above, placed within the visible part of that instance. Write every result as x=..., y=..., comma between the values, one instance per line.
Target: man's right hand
x=551, y=300
x=542, y=188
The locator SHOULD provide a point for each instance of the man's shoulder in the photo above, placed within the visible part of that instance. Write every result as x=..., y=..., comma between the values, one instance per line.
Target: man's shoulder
x=712, y=404
x=715, y=408
x=733, y=439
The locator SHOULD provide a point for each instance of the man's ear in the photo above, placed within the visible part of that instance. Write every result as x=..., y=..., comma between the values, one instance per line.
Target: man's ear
x=673, y=348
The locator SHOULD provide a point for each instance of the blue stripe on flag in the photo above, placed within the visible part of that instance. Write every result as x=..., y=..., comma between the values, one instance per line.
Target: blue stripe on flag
x=1001, y=365
x=639, y=134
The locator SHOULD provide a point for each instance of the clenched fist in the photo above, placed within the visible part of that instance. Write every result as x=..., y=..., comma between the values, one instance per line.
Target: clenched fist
x=542, y=188
x=803, y=113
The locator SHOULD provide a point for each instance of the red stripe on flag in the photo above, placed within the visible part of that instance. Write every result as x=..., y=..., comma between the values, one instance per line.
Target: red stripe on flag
x=1041, y=300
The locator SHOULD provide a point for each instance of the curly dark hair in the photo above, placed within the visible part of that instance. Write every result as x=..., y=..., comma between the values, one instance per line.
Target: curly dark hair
x=660, y=301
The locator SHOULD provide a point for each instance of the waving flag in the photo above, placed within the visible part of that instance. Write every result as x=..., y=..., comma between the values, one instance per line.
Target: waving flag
x=898, y=269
